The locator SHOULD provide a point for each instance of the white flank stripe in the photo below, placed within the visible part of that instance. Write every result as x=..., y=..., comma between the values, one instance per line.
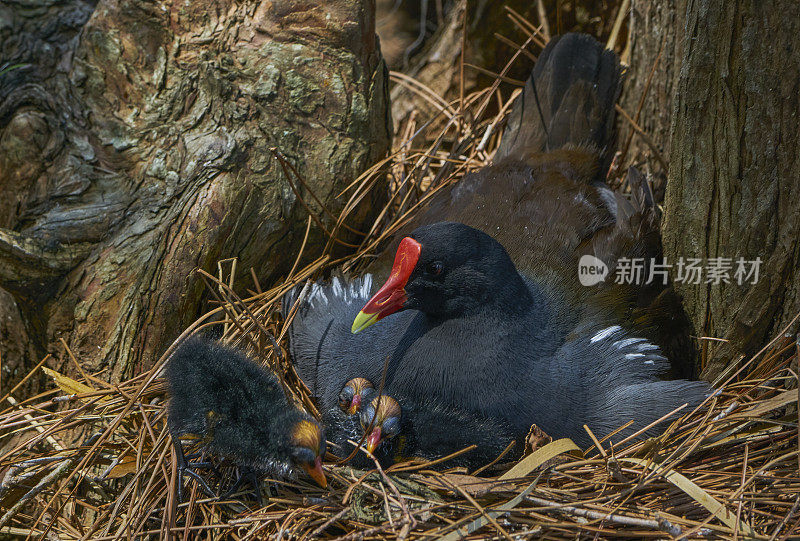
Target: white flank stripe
x=605, y=333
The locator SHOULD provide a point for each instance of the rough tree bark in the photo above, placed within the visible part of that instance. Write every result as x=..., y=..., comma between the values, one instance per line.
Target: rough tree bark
x=655, y=53
x=734, y=179
x=135, y=146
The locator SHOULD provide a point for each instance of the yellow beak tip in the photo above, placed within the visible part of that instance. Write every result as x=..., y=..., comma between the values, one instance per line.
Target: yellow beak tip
x=362, y=321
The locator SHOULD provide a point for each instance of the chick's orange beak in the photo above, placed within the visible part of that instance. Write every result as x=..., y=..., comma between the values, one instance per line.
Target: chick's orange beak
x=355, y=405
x=374, y=439
x=316, y=472
x=391, y=296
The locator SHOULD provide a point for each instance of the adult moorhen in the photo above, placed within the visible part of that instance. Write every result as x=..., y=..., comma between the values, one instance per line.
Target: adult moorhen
x=516, y=338
x=231, y=406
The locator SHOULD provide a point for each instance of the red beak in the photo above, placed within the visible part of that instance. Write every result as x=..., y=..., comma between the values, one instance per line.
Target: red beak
x=374, y=439
x=392, y=295
x=355, y=405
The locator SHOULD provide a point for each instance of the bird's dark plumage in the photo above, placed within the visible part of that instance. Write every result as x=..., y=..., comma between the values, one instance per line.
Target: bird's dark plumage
x=342, y=428
x=539, y=361
x=430, y=430
x=568, y=101
x=237, y=409
x=504, y=330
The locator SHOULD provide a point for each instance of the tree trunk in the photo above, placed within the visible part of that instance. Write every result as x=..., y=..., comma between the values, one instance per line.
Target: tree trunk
x=655, y=53
x=135, y=146
x=734, y=179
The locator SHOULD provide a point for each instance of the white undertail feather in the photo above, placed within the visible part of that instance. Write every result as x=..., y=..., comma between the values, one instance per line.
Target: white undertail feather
x=317, y=294
x=366, y=285
x=357, y=289
x=336, y=288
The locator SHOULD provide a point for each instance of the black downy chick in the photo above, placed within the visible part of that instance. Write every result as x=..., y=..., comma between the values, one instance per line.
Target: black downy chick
x=374, y=420
x=402, y=430
x=354, y=394
x=237, y=409
x=393, y=430
x=381, y=419
x=342, y=422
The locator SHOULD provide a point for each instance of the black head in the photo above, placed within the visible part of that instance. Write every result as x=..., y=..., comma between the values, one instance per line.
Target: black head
x=382, y=418
x=459, y=268
x=447, y=269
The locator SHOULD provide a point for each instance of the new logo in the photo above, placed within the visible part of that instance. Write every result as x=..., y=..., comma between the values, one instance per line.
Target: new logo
x=591, y=270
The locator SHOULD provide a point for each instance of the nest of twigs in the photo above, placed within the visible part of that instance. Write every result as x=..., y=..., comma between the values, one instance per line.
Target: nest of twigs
x=95, y=461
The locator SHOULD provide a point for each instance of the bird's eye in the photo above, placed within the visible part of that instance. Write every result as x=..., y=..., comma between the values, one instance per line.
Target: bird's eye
x=435, y=268
x=346, y=396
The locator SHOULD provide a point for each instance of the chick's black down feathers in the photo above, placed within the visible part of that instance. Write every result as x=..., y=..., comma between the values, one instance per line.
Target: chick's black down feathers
x=235, y=406
x=430, y=430
x=427, y=430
